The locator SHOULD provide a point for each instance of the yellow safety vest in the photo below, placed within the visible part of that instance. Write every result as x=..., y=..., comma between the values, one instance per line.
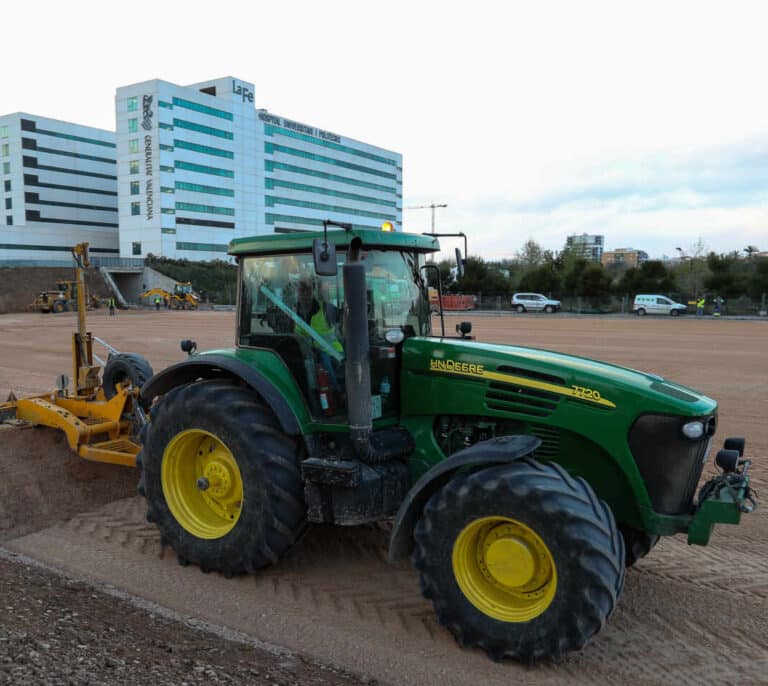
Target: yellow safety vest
x=320, y=325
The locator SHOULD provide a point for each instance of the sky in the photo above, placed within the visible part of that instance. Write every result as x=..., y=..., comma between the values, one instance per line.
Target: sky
x=645, y=122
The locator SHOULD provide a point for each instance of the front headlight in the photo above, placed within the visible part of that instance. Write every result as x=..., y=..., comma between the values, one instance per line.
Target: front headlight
x=693, y=430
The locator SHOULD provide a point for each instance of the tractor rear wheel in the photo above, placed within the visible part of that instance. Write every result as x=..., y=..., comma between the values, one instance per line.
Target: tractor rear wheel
x=59, y=306
x=222, y=481
x=124, y=367
x=521, y=560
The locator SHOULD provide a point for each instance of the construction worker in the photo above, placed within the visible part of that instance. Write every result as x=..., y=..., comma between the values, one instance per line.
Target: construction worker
x=317, y=316
x=700, y=306
x=718, y=305
x=158, y=302
x=111, y=307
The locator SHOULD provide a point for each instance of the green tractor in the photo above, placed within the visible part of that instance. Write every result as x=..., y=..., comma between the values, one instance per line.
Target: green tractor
x=520, y=481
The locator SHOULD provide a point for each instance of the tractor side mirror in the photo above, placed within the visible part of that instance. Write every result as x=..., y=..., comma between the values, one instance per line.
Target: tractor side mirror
x=459, y=264
x=324, y=255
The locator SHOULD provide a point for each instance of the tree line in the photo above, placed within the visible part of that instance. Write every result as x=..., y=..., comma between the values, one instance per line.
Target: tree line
x=568, y=274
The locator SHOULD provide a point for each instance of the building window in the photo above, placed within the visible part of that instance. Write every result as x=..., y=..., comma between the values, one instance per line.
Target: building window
x=166, y=189
x=210, y=130
x=202, y=108
x=3, y=131
x=135, y=210
x=4, y=150
x=133, y=145
x=9, y=219
x=136, y=247
x=6, y=167
x=133, y=167
x=210, y=209
x=133, y=125
x=7, y=185
x=8, y=203
x=133, y=103
x=135, y=188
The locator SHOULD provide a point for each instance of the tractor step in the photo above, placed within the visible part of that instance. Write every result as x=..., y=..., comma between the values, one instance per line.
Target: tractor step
x=120, y=451
x=331, y=472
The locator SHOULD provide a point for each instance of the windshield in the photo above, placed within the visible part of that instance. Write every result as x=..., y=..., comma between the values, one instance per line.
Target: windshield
x=286, y=307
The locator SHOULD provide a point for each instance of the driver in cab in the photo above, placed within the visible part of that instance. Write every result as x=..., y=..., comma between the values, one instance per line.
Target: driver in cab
x=321, y=317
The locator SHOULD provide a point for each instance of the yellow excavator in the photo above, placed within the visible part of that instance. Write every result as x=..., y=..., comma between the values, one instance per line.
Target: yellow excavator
x=182, y=298
x=99, y=409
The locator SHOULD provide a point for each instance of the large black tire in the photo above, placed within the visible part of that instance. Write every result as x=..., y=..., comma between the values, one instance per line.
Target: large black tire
x=59, y=306
x=271, y=513
x=124, y=367
x=577, y=541
x=637, y=544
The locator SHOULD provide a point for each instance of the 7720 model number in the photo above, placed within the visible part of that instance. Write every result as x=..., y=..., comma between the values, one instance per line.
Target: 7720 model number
x=586, y=393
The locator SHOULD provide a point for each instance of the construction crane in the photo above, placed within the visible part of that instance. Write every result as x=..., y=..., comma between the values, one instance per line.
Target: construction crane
x=431, y=206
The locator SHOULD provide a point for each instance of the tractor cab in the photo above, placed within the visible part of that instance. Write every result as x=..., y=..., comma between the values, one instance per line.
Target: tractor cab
x=288, y=307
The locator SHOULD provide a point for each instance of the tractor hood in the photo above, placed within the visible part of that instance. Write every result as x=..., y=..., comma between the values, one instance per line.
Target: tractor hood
x=551, y=376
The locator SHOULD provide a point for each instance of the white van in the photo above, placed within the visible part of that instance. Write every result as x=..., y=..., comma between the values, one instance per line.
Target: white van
x=657, y=304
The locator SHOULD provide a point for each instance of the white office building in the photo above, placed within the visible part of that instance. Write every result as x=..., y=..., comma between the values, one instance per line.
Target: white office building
x=200, y=165
x=58, y=184
x=588, y=246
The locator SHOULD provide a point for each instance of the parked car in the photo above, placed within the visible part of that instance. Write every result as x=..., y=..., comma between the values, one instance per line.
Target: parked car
x=657, y=304
x=533, y=302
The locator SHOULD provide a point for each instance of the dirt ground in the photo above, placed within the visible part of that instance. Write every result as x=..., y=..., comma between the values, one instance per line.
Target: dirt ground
x=124, y=612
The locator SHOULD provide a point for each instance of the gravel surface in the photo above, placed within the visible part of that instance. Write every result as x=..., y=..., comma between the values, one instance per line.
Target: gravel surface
x=56, y=630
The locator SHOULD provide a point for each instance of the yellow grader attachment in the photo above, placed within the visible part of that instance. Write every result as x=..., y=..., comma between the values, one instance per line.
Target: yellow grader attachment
x=98, y=411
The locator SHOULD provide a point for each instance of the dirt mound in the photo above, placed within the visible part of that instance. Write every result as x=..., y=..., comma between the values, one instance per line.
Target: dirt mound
x=44, y=482
x=20, y=285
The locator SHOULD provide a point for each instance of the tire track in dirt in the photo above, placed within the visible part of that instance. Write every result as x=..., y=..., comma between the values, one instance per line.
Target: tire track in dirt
x=661, y=633
x=722, y=567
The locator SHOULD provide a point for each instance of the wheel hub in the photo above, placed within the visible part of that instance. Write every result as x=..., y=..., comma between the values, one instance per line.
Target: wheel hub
x=202, y=483
x=508, y=559
x=504, y=569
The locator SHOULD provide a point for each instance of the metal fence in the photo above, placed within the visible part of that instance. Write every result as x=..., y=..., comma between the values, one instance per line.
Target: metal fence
x=743, y=306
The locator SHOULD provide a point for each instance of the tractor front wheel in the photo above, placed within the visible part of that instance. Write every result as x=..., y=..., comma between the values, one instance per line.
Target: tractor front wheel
x=521, y=560
x=637, y=544
x=221, y=480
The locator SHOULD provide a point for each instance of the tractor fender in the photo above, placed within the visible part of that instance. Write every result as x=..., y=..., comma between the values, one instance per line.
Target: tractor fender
x=216, y=366
x=495, y=451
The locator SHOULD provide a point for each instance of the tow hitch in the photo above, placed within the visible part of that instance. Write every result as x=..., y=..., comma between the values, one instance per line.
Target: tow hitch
x=725, y=497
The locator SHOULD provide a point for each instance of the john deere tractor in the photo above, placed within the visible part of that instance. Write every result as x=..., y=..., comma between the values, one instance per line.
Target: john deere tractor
x=520, y=481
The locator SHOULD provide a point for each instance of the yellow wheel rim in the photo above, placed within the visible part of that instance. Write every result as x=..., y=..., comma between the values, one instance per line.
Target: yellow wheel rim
x=504, y=569
x=202, y=484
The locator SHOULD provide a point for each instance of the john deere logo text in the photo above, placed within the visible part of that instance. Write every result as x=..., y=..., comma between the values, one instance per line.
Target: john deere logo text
x=453, y=366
